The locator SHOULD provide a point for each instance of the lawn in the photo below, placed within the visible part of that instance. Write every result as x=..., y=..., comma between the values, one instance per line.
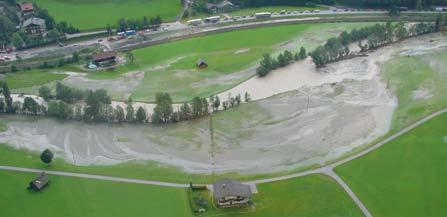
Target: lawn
x=309, y=196
x=96, y=14
x=31, y=78
x=419, y=84
x=407, y=176
x=226, y=53
x=76, y=197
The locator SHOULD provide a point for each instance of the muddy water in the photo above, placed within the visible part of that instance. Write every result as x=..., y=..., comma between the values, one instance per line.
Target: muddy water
x=319, y=115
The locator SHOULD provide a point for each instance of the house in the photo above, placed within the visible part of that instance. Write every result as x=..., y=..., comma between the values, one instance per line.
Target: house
x=231, y=193
x=34, y=26
x=222, y=7
x=26, y=9
x=39, y=182
x=201, y=63
x=104, y=58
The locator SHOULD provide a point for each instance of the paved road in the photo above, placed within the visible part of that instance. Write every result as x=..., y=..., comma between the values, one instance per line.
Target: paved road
x=327, y=170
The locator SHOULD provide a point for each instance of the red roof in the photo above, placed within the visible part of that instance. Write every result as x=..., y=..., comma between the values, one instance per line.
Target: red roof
x=26, y=7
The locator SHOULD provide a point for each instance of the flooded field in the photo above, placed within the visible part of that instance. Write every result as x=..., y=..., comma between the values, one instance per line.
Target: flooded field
x=308, y=117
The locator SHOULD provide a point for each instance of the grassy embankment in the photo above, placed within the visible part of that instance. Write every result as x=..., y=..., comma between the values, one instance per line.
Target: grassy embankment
x=311, y=196
x=96, y=14
x=407, y=176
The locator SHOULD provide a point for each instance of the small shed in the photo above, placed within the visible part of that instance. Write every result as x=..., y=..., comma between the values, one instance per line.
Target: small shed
x=39, y=182
x=102, y=58
x=201, y=63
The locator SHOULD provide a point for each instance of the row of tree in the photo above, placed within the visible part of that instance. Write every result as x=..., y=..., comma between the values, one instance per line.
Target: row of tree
x=137, y=24
x=369, y=37
x=268, y=63
x=388, y=3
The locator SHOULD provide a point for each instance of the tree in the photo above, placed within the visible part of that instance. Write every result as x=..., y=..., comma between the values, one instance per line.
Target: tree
x=46, y=156
x=119, y=114
x=30, y=106
x=282, y=61
x=196, y=107
x=247, y=97
x=288, y=56
x=130, y=112
x=185, y=112
x=130, y=57
x=45, y=92
x=302, y=54
x=419, y=5
x=163, y=110
x=4, y=89
x=18, y=41
x=109, y=30
x=75, y=57
x=7, y=27
x=140, y=116
x=262, y=71
x=53, y=35
x=216, y=103
x=345, y=38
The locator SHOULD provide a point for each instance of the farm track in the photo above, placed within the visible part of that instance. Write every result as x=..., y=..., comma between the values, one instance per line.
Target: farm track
x=326, y=170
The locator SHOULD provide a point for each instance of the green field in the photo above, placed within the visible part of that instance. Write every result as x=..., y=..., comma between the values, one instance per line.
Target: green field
x=424, y=74
x=226, y=53
x=75, y=197
x=28, y=79
x=96, y=14
x=311, y=196
x=407, y=176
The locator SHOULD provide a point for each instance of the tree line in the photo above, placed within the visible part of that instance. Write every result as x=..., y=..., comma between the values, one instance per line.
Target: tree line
x=387, y=3
x=70, y=103
x=137, y=24
x=369, y=37
x=268, y=63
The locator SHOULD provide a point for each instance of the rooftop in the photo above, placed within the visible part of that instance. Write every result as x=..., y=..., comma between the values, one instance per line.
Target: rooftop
x=26, y=6
x=34, y=21
x=229, y=187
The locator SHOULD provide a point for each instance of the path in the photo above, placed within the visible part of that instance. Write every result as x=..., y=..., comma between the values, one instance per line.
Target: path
x=327, y=170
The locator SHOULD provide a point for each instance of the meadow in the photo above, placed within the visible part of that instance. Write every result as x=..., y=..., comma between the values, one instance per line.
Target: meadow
x=419, y=84
x=407, y=176
x=74, y=197
x=97, y=14
x=310, y=196
x=31, y=78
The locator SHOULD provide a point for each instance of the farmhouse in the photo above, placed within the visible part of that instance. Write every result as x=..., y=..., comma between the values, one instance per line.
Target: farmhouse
x=104, y=58
x=222, y=7
x=201, y=63
x=230, y=193
x=34, y=26
x=26, y=9
x=39, y=182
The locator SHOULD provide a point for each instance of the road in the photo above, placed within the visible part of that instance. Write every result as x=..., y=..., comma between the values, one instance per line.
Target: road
x=326, y=170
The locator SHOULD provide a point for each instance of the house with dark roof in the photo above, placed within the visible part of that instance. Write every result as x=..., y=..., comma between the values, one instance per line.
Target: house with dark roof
x=104, y=58
x=222, y=7
x=231, y=193
x=34, y=26
x=26, y=9
x=40, y=182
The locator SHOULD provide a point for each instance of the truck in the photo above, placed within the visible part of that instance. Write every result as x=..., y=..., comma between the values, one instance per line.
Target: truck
x=131, y=33
x=214, y=19
x=263, y=15
x=195, y=22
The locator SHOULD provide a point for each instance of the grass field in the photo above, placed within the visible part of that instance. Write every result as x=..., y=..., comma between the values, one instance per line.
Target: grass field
x=96, y=14
x=75, y=197
x=226, y=53
x=310, y=196
x=28, y=79
x=423, y=75
x=407, y=176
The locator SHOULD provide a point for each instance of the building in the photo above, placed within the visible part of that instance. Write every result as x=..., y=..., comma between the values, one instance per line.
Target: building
x=39, y=182
x=263, y=15
x=201, y=63
x=222, y=7
x=26, y=9
x=231, y=193
x=104, y=58
x=34, y=26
